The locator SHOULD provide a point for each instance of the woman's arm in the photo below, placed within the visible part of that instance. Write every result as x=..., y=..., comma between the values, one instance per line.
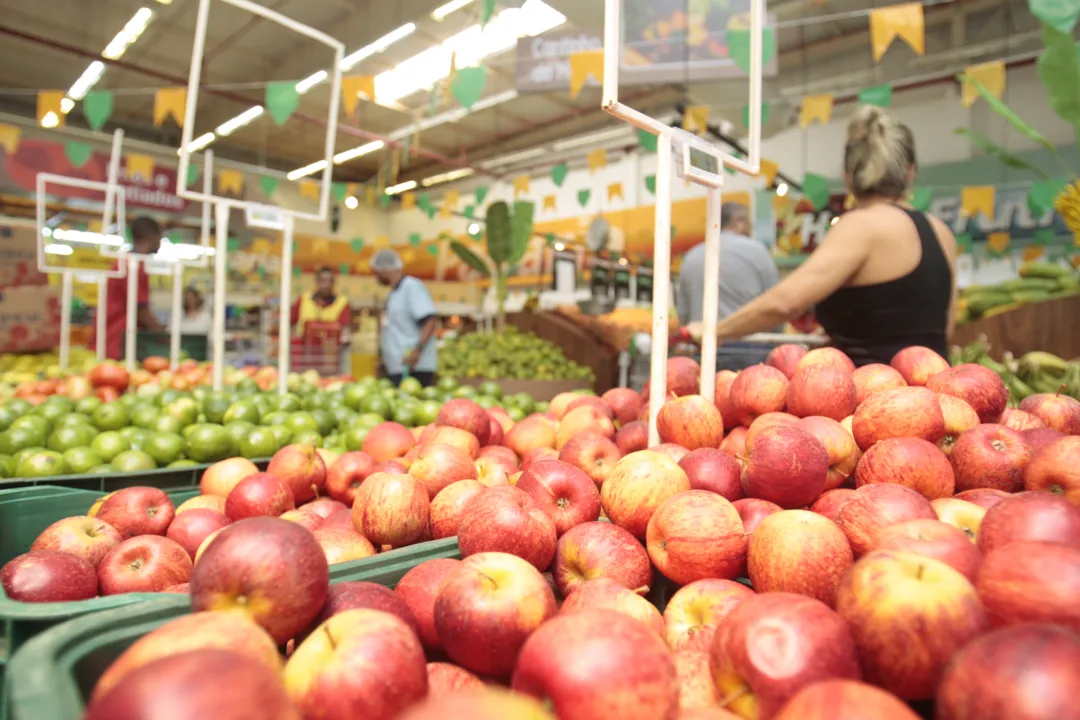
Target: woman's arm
x=828, y=268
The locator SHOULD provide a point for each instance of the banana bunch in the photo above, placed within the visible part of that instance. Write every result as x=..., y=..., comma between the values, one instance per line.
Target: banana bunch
x=1034, y=372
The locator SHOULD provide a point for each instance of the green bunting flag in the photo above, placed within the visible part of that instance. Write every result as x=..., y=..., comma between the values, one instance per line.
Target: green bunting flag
x=384, y=201
x=232, y=244
x=487, y=9
x=583, y=197
x=920, y=198
x=194, y=172
x=268, y=185
x=339, y=190
x=646, y=140
x=415, y=239
x=558, y=174
x=963, y=243
x=469, y=211
x=1044, y=237
x=480, y=194
x=739, y=47
x=282, y=99
x=78, y=153
x=880, y=95
x=296, y=271
x=816, y=190
x=650, y=183
x=432, y=250
x=357, y=244
x=344, y=268
x=765, y=108
x=550, y=239
x=1041, y=196
x=468, y=85
x=97, y=108
x=423, y=201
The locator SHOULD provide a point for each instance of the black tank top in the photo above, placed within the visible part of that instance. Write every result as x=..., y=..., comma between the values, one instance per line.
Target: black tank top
x=871, y=323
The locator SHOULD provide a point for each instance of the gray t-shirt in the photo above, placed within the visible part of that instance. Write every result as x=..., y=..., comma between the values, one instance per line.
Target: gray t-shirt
x=747, y=269
x=407, y=306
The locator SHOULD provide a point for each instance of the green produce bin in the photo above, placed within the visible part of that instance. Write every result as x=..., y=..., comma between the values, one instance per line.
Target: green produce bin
x=150, y=344
x=164, y=478
x=53, y=674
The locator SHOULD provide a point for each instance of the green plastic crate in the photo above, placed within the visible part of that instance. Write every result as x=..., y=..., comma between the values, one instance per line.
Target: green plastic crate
x=164, y=478
x=52, y=675
x=150, y=344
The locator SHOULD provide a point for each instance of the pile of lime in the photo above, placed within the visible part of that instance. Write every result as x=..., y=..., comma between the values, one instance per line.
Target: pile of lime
x=508, y=354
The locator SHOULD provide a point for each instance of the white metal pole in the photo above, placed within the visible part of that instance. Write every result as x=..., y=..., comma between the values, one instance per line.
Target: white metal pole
x=284, y=324
x=112, y=180
x=221, y=219
x=101, y=327
x=65, y=319
x=661, y=283
x=177, y=313
x=710, y=308
x=131, y=325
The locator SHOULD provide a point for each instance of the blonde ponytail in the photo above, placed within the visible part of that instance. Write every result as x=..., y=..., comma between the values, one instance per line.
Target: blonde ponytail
x=879, y=152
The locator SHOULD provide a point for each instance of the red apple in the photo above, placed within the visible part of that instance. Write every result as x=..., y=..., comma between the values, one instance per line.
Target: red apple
x=671, y=451
x=495, y=436
x=845, y=700
x=487, y=607
x=83, y=536
x=683, y=378
x=625, y=404
x=418, y=589
x=465, y=414
x=138, y=511
x=632, y=437
x=591, y=401
x=911, y=462
x=990, y=456
x=593, y=454
x=961, y=514
x=713, y=470
x=722, y=397
x=494, y=471
x=753, y=510
x=918, y=364
x=195, y=684
x=340, y=519
x=1026, y=582
x=344, y=477
x=900, y=412
x=1039, y=437
x=201, y=502
x=221, y=477
x=1015, y=673
x=508, y=520
x=826, y=356
x=1055, y=468
x=491, y=703
x=757, y=390
x=695, y=611
x=353, y=595
x=582, y=419
x=537, y=455
x=446, y=435
x=735, y=442
x=696, y=535
x=597, y=664
x=839, y=444
x=359, y=663
x=831, y=501
x=785, y=465
x=269, y=569
x=392, y=510
x=875, y=507
x=530, y=434
x=959, y=418
x=387, y=441
x=604, y=593
x=343, y=545
x=324, y=507
x=1030, y=517
x=441, y=465
x=785, y=358
x=560, y=404
x=566, y=494
x=445, y=679
x=1020, y=420
x=306, y=518
x=392, y=467
x=690, y=421
x=909, y=615
x=821, y=389
x=755, y=679
x=259, y=494
x=933, y=539
x=49, y=576
x=980, y=387
x=147, y=563
x=696, y=687
x=873, y=378
x=637, y=486
x=300, y=467
x=503, y=419
x=599, y=549
x=448, y=506
x=985, y=498
x=761, y=422
x=1057, y=411
x=798, y=551
x=189, y=529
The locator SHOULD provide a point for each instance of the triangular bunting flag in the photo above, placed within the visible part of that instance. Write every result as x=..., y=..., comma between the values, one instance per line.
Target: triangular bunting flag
x=408, y=201
x=230, y=181
x=49, y=102
x=521, y=185
x=978, y=199
x=424, y=202
x=309, y=189
x=920, y=199
x=596, y=159
x=282, y=99
x=432, y=249
x=583, y=197
x=356, y=244
x=558, y=174
x=1040, y=199
x=487, y=9
x=646, y=140
x=268, y=185
x=897, y=21
x=997, y=244
x=9, y=138
x=650, y=183
x=170, y=101
x=139, y=166
x=352, y=87
x=415, y=239
x=339, y=190
x=816, y=107
x=97, y=108
x=480, y=193
x=696, y=119
x=1058, y=14
x=582, y=65
x=468, y=85
x=549, y=203
x=1033, y=252
x=768, y=170
x=816, y=190
x=738, y=41
x=991, y=75
x=879, y=95
x=614, y=190
x=469, y=211
x=765, y=108
x=78, y=153
x=194, y=172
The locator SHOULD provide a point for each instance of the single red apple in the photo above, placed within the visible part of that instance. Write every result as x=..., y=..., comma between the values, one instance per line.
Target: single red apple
x=418, y=589
x=465, y=414
x=441, y=465
x=722, y=397
x=1018, y=420
x=448, y=506
x=843, y=453
x=49, y=576
x=301, y=468
x=753, y=510
x=343, y=544
x=640, y=482
x=978, y=386
x=961, y=514
x=344, y=477
x=1057, y=411
x=138, y=511
x=821, y=389
x=918, y=364
x=1030, y=517
x=959, y=418
x=257, y=495
x=145, y=563
x=845, y=700
x=530, y=434
x=189, y=529
x=507, y=520
x=875, y=507
x=697, y=691
x=392, y=510
x=757, y=390
x=933, y=539
x=690, y=421
x=1039, y=437
x=785, y=465
x=83, y=536
x=582, y=419
x=683, y=378
x=625, y=404
x=831, y=501
x=599, y=549
x=696, y=535
x=911, y=462
x=221, y=477
x=456, y=437
x=695, y=611
x=1025, y=582
x=900, y=412
x=798, y=551
x=785, y=358
x=388, y=440
x=873, y=378
x=735, y=442
x=1055, y=468
x=604, y=593
x=566, y=494
x=990, y=456
x=631, y=437
x=761, y=422
x=983, y=497
x=713, y=470
x=593, y=454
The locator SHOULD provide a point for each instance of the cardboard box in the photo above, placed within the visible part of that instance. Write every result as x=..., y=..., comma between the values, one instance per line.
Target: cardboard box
x=18, y=256
x=29, y=318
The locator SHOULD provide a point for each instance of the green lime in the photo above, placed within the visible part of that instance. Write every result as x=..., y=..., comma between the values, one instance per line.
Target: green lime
x=64, y=439
x=324, y=420
x=18, y=406
x=133, y=461
x=288, y=403
x=110, y=416
x=144, y=416
x=281, y=433
x=182, y=463
x=82, y=459
x=299, y=421
x=215, y=406
x=485, y=402
x=354, y=394
x=44, y=463
x=35, y=423
x=18, y=457
x=516, y=414
x=164, y=448
x=376, y=405
x=425, y=412
x=523, y=401
x=343, y=416
x=129, y=400
x=354, y=437
x=410, y=386
x=135, y=436
x=102, y=470
x=238, y=429
x=369, y=420
x=315, y=401
x=246, y=410
x=184, y=409
x=275, y=417
x=540, y=407
x=465, y=391
x=88, y=404
x=429, y=393
x=490, y=388
x=259, y=443
x=406, y=415
x=109, y=444
x=15, y=439
x=447, y=384
x=384, y=384
x=209, y=443
x=53, y=411
x=167, y=424
x=306, y=437
x=73, y=420
x=199, y=394
x=7, y=416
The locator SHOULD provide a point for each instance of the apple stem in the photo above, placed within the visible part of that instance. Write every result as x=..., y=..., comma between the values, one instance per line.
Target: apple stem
x=330, y=637
x=1061, y=389
x=919, y=572
x=643, y=590
x=315, y=488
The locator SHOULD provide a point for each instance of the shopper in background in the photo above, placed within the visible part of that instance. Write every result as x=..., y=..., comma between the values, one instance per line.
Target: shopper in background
x=196, y=319
x=407, y=339
x=324, y=305
x=747, y=269
x=145, y=240
x=884, y=277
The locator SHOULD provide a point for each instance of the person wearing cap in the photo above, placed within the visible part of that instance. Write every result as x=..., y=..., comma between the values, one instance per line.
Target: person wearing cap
x=406, y=342
x=324, y=305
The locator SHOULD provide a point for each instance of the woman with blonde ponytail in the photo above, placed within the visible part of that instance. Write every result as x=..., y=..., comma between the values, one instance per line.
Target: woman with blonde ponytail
x=883, y=279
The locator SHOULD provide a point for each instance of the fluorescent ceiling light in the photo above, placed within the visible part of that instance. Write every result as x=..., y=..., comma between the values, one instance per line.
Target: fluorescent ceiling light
x=245, y=118
x=67, y=105
x=356, y=152
x=447, y=176
x=378, y=46
x=307, y=170
x=83, y=236
x=165, y=2
x=87, y=80
x=454, y=5
x=58, y=249
x=128, y=34
x=401, y=187
x=452, y=115
x=512, y=158
x=200, y=142
x=50, y=120
x=617, y=133
x=311, y=81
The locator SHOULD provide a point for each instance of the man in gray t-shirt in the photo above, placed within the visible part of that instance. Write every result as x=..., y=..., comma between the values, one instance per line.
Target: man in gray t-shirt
x=747, y=269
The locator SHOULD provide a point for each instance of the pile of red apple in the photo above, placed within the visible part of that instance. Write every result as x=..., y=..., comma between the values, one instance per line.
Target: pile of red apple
x=908, y=537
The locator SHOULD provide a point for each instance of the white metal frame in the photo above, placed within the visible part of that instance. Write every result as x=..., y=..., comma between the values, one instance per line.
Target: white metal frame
x=669, y=141
x=223, y=205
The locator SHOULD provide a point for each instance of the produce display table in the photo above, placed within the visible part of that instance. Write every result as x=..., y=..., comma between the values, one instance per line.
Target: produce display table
x=576, y=342
x=1049, y=325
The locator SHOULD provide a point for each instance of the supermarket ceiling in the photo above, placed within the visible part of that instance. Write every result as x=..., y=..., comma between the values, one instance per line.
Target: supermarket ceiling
x=524, y=115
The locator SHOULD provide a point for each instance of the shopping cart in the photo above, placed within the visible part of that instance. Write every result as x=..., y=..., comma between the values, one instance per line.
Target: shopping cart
x=319, y=349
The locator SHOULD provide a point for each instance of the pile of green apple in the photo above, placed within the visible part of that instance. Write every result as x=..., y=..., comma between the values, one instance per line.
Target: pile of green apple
x=508, y=353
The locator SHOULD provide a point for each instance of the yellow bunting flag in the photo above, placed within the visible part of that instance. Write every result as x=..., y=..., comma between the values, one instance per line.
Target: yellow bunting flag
x=407, y=255
x=978, y=199
x=991, y=75
x=309, y=189
x=739, y=197
x=614, y=190
x=450, y=201
x=521, y=185
x=369, y=195
x=139, y=166
x=898, y=21
x=352, y=87
x=582, y=65
x=382, y=241
x=597, y=159
x=998, y=242
x=261, y=246
x=696, y=119
x=9, y=138
x=320, y=248
x=1033, y=252
x=169, y=101
x=50, y=101
x=768, y=170
x=408, y=201
x=780, y=204
x=549, y=202
x=816, y=107
x=230, y=181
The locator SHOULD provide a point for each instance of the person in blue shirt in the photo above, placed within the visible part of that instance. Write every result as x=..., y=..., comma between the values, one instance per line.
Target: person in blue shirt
x=407, y=338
